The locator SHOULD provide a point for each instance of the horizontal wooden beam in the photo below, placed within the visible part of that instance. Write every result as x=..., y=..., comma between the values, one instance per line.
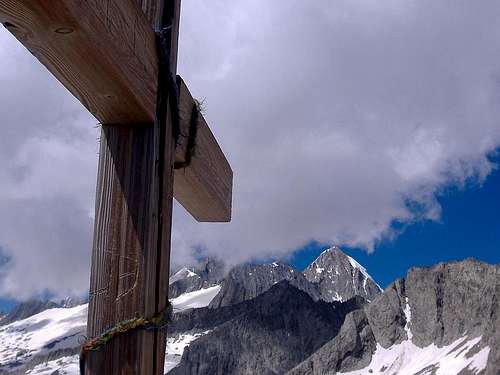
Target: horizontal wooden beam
x=104, y=52
x=204, y=187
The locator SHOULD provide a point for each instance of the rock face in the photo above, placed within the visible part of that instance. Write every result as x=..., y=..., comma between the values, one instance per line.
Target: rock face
x=265, y=335
x=449, y=300
x=450, y=312
x=339, y=277
x=272, y=319
x=386, y=315
x=247, y=281
x=333, y=276
x=34, y=306
x=446, y=302
x=208, y=273
x=350, y=349
x=26, y=309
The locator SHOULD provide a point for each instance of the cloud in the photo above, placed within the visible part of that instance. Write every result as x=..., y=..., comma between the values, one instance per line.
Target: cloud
x=48, y=153
x=338, y=118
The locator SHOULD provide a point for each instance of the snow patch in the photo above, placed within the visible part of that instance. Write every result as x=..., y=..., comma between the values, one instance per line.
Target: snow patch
x=333, y=248
x=40, y=334
x=195, y=300
x=319, y=270
x=408, y=359
x=361, y=269
x=326, y=251
x=183, y=273
x=338, y=298
x=62, y=366
x=65, y=328
x=176, y=346
x=407, y=312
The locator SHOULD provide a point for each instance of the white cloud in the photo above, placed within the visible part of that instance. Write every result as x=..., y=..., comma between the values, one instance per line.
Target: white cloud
x=48, y=154
x=333, y=115
x=336, y=115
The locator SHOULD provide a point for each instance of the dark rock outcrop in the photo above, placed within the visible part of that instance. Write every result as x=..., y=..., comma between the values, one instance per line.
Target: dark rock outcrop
x=247, y=281
x=436, y=305
x=350, y=350
x=266, y=335
x=386, y=314
x=445, y=301
x=450, y=300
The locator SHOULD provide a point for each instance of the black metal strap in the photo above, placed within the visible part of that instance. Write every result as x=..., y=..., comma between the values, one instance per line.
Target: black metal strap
x=191, y=141
x=168, y=90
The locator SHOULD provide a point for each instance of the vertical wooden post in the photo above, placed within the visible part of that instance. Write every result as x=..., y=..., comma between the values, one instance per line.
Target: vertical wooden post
x=131, y=249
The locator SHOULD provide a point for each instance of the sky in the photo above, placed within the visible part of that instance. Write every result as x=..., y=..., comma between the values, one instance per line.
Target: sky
x=469, y=227
x=370, y=125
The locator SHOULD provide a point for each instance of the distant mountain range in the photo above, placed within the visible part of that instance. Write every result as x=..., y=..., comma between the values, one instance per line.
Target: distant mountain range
x=34, y=306
x=271, y=319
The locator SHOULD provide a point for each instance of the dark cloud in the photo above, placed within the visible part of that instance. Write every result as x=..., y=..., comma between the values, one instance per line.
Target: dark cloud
x=337, y=117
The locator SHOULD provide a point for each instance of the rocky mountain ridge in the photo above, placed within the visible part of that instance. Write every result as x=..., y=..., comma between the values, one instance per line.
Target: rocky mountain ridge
x=34, y=306
x=439, y=320
x=246, y=281
x=207, y=273
x=339, y=277
x=285, y=325
x=448, y=313
x=272, y=319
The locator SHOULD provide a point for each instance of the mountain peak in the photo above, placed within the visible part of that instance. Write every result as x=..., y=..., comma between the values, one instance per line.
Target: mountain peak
x=340, y=277
x=183, y=273
x=246, y=281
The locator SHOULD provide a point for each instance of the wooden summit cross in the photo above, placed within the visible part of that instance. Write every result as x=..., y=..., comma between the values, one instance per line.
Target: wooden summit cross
x=105, y=52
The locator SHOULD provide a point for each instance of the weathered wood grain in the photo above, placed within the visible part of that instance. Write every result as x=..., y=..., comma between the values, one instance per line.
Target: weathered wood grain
x=123, y=248
x=153, y=10
x=204, y=188
x=131, y=252
x=164, y=185
x=104, y=52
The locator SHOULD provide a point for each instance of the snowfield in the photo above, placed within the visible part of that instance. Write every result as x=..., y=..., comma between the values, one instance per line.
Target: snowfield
x=176, y=346
x=41, y=334
x=363, y=270
x=48, y=341
x=183, y=273
x=65, y=328
x=60, y=366
x=195, y=300
x=408, y=359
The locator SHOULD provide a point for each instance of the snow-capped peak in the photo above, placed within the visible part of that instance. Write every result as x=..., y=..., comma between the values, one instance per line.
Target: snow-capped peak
x=361, y=269
x=340, y=277
x=330, y=249
x=183, y=273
